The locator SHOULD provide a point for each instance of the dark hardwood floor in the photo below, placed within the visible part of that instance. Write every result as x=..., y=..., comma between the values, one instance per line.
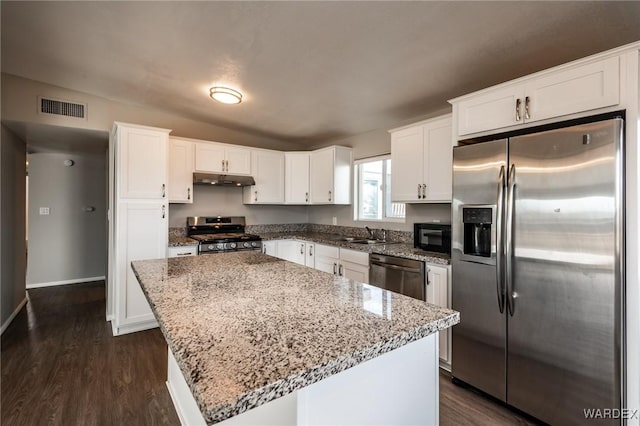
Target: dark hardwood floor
x=61, y=366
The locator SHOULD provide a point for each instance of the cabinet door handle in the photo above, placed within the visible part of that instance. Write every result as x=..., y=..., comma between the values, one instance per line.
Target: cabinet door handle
x=222, y=165
x=518, y=103
x=335, y=268
x=264, y=249
x=164, y=211
x=310, y=250
x=227, y=161
x=527, y=101
x=184, y=254
x=340, y=270
x=424, y=191
x=163, y=190
x=329, y=195
x=428, y=271
x=188, y=193
x=256, y=197
x=419, y=188
x=306, y=197
x=301, y=248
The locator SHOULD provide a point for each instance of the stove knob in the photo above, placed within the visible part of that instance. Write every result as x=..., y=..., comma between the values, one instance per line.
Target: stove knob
x=210, y=247
x=219, y=246
x=254, y=244
x=232, y=245
x=246, y=245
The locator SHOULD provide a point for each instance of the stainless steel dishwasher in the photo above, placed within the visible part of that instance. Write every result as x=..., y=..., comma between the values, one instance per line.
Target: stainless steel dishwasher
x=404, y=276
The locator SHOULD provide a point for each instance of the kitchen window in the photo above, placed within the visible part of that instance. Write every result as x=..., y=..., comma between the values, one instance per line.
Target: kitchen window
x=372, y=192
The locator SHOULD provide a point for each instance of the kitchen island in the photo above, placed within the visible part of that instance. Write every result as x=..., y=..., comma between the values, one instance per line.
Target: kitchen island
x=257, y=340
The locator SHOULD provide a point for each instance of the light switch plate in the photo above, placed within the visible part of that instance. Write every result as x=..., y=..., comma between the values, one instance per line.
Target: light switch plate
x=44, y=211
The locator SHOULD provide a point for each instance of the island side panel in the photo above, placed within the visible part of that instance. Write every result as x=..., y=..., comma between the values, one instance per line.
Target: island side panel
x=397, y=388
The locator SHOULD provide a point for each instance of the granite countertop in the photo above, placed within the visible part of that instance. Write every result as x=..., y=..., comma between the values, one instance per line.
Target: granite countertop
x=405, y=250
x=247, y=328
x=182, y=242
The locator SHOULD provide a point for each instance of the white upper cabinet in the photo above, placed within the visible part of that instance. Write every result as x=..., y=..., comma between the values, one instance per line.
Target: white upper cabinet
x=421, y=162
x=297, y=177
x=213, y=157
x=181, y=156
x=553, y=93
x=142, y=161
x=330, y=176
x=267, y=168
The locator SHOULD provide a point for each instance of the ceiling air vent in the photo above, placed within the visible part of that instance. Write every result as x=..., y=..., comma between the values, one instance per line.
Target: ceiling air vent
x=64, y=108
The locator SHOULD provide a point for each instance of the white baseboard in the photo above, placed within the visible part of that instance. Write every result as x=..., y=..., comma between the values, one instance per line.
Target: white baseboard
x=119, y=330
x=65, y=282
x=13, y=315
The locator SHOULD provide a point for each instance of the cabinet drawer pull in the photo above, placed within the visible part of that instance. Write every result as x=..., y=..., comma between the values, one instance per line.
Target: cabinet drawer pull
x=184, y=254
x=335, y=268
x=526, y=108
x=518, y=103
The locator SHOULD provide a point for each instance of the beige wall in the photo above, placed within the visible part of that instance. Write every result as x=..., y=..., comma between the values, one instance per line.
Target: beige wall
x=12, y=222
x=69, y=243
x=20, y=103
x=227, y=201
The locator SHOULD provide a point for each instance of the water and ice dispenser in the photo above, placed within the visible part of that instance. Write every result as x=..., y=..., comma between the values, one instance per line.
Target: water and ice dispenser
x=477, y=228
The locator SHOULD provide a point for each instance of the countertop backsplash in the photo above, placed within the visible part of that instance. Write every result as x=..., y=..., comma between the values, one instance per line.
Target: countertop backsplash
x=348, y=231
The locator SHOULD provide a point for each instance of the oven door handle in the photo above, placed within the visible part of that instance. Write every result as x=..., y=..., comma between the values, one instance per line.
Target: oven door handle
x=395, y=267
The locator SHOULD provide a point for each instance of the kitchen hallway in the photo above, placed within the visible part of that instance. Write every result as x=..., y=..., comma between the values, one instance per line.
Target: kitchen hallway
x=61, y=365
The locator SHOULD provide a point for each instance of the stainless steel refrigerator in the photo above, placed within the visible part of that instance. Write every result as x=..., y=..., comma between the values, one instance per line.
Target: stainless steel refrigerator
x=537, y=270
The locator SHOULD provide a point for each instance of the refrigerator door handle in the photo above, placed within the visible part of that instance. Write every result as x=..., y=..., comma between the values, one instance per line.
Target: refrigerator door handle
x=499, y=243
x=509, y=239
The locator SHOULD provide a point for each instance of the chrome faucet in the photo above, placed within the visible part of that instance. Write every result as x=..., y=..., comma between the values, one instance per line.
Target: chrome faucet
x=370, y=233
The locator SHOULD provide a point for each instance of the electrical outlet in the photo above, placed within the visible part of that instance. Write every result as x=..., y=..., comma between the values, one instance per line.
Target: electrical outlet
x=335, y=220
x=44, y=211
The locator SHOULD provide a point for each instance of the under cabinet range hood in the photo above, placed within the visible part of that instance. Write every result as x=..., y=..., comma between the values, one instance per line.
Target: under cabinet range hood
x=222, y=180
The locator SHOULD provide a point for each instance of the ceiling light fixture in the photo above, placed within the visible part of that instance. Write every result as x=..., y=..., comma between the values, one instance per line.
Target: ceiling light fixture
x=225, y=95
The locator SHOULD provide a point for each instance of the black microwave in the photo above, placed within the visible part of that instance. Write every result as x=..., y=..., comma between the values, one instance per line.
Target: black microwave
x=432, y=237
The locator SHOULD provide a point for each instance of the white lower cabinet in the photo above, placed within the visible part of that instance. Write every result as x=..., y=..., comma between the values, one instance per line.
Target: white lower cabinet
x=297, y=251
x=182, y=251
x=438, y=293
x=354, y=265
x=327, y=258
x=142, y=234
x=270, y=248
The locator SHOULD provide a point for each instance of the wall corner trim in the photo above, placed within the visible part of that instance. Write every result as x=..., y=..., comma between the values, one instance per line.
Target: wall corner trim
x=13, y=315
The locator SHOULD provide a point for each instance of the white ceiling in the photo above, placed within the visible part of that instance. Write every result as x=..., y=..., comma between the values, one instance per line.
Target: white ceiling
x=311, y=72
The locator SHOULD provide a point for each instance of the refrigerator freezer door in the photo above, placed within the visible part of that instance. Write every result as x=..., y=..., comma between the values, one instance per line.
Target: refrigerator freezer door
x=478, y=341
x=564, y=332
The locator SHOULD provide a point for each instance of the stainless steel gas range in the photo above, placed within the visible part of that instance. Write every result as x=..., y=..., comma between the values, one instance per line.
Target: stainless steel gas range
x=218, y=234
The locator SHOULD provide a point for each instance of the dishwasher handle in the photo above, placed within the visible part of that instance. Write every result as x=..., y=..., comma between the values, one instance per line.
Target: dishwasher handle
x=397, y=268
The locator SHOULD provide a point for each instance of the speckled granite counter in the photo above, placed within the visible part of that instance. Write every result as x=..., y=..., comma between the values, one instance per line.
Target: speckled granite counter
x=247, y=328
x=181, y=242
x=399, y=249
